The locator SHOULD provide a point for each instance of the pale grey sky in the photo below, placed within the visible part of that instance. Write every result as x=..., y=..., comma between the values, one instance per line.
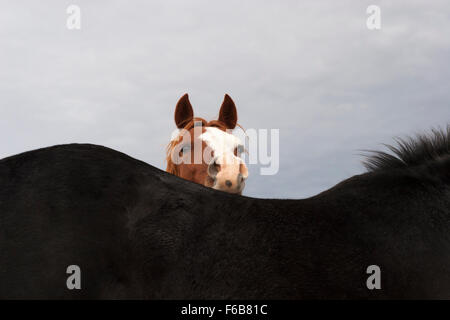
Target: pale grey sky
x=311, y=69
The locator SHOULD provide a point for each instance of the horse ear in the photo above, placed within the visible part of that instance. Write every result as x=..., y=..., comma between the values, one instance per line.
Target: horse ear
x=183, y=111
x=228, y=113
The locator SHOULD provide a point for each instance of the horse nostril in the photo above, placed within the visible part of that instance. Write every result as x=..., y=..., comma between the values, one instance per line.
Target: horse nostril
x=213, y=168
x=228, y=183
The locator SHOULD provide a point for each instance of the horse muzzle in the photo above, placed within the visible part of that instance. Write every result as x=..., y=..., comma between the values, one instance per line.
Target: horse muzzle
x=229, y=174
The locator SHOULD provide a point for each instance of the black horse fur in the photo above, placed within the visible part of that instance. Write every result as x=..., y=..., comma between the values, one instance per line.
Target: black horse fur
x=137, y=232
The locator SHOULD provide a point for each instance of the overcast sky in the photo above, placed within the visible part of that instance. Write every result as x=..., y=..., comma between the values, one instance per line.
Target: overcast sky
x=311, y=69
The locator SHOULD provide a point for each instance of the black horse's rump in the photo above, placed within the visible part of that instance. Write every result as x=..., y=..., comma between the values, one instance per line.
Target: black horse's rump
x=138, y=232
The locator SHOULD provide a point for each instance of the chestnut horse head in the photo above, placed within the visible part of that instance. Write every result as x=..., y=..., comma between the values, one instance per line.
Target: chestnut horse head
x=206, y=152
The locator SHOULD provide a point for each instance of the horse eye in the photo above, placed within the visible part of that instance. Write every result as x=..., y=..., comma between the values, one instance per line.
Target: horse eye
x=185, y=148
x=239, y=149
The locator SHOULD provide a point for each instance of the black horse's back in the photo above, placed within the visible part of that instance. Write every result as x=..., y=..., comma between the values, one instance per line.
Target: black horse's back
x=61, y=206
x=137, y=232
x=95, y=208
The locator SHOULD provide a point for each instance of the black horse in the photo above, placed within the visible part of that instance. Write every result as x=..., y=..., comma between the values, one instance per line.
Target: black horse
x=137, y=232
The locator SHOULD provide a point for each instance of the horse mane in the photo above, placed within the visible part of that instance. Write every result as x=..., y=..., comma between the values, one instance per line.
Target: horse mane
x=411, y=151
x=171, y=167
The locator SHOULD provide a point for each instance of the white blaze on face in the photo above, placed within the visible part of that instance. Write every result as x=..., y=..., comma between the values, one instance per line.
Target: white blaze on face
x=222, y=143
